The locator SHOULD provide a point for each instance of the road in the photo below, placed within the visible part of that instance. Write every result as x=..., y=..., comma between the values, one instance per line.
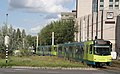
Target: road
x=43, y=71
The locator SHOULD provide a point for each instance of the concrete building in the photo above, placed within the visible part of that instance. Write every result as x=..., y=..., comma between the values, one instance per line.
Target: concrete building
x=83, y=7
x=97, y=17
x=68, y=15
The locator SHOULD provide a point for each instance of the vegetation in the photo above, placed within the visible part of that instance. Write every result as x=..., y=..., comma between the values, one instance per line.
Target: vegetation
x=40, y=61
x=18, y=40
x=63, y=30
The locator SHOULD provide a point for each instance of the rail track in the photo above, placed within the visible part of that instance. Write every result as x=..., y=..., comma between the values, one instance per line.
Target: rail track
x=114, y=67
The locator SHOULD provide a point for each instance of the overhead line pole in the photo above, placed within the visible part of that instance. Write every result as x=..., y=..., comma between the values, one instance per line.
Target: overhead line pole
x=97, y=21
x=92, y=27
x=102, y=25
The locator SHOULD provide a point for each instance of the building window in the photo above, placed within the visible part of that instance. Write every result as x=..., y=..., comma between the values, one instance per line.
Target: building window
x=94, y=6
x=66, y=15
x=116, y=4
x=110, y=4
x=101, y=5
x=110, y=0
x=116, y=0
x=101, y=0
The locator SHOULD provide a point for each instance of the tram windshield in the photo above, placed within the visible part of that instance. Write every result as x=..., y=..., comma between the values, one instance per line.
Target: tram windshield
x=102, y=50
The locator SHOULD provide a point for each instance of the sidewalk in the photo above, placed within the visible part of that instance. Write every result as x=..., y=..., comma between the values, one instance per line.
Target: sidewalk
x=53, y=68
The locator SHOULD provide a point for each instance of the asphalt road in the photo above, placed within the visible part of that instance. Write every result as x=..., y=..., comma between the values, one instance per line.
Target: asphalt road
x=43, y=71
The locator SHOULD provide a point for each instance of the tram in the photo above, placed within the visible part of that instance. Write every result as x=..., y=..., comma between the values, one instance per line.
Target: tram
x=94, y=52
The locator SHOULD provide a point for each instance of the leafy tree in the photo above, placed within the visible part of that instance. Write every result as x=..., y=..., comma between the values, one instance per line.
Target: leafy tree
x=64, y=32
x=18, y=39
x=23, y=33
x=31, y=40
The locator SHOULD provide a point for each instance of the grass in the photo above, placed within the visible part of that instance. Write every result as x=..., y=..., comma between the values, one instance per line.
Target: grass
x=40, y=61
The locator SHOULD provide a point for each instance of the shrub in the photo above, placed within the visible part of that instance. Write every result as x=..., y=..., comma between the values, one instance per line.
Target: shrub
x=25, y=52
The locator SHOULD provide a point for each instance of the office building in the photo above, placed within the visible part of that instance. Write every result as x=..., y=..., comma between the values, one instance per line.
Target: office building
x=97, y=18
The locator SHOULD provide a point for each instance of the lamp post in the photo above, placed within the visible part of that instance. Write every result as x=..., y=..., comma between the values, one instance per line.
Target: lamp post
x=6, y=19
x=6, y=40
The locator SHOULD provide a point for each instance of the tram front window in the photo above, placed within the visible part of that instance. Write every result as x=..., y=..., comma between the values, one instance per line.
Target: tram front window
x=102, y=50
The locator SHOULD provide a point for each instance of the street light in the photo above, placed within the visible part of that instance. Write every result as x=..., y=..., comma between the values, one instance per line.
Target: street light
x=6, y=39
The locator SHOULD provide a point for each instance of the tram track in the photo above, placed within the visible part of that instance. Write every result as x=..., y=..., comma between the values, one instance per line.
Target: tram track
x=115, y=67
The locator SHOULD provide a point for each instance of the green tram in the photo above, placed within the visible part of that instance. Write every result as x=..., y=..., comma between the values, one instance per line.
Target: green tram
x=50, y=50
x=95, y=52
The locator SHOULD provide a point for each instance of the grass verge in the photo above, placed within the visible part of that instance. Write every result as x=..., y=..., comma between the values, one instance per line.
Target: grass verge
x=40, y=61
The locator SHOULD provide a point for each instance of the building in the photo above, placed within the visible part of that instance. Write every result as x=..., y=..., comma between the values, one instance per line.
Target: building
x=97, y=18
x=83, y=7
x=68, y=15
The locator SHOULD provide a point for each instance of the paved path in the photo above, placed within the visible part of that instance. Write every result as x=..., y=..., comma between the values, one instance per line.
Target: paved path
x=53, y=71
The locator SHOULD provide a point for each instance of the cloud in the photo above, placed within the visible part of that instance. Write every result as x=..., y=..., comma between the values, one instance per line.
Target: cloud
x=49, y=11
x=51, y=16
x=40, y=6
x=36, y=29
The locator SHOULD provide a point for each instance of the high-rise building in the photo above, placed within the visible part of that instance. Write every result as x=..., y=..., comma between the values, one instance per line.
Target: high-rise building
x=97, y=17
x=83, y=7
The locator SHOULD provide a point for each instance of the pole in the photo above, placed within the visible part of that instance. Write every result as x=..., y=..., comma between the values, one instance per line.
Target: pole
x=37, y=42
x=76, y=8
x=6, y=44
x=102, y=25
x=88, y=28
x=6, y=54
x=36, y=50
x=97, y=21
x=80, y=31
x=7, y=21
x=92, y=27
x=23, y=43
x=6, y=40
x=52, y=38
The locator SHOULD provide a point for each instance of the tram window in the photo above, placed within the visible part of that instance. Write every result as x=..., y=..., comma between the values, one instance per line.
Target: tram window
x=82, y=49
x=70, y=48
x=90, y=49
x=77, y=49
x=66, y=49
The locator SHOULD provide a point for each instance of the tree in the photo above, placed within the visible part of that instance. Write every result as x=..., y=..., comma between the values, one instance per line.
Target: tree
x=64, y=32
x=23, y=33
x=18, y=39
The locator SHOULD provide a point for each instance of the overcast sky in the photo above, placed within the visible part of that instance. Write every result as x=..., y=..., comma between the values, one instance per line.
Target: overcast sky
x=32, y=15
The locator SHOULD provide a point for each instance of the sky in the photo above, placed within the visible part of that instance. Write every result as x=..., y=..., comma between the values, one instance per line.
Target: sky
x=33, y=15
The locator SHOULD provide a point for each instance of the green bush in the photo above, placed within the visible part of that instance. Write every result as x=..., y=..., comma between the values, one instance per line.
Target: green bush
x=2, y=56
x=25, y=52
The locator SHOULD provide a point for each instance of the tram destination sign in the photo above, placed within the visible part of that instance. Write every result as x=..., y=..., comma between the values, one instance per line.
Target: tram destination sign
x=101, y=42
